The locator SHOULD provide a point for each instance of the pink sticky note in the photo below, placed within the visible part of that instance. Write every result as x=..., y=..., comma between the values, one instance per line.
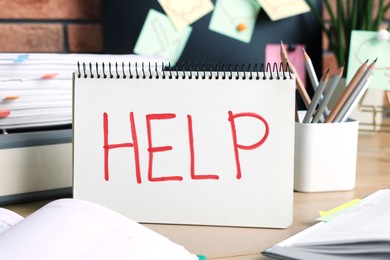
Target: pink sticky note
x=49, y=75
x=4, y=113
x=295, y=56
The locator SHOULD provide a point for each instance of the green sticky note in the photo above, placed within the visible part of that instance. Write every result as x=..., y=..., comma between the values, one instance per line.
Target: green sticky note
x=365, y=45
x=202, y=257
x=159, y=37
x=235, y=19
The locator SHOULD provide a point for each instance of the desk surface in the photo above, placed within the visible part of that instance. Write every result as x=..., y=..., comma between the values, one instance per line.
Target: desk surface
x=373, y=164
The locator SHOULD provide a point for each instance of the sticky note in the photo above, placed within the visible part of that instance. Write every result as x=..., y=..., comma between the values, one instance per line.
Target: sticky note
x=333, y=213
x=295, y=56
x=22, y=58
x=183, y=13
x=280, y=9
x=10, y=97
x=230, y=17
x=159, y=37
x=4, y=113
x=365, y=45
x=49, y=75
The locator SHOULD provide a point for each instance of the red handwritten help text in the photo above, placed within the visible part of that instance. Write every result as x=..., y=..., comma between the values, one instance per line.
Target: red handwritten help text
x=151, y=149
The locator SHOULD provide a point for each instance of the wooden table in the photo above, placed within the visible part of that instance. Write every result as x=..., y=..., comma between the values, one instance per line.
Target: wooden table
x=373, y=173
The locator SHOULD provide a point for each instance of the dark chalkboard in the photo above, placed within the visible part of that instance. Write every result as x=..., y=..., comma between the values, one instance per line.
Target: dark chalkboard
x=123, y=21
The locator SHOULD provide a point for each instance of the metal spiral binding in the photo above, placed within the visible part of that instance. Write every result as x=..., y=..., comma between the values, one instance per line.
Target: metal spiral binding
x=148, y=70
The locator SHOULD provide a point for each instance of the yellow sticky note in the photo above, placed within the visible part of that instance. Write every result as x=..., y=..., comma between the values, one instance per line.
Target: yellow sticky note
x=279, y=9
x=335, y=212
x=183, y=13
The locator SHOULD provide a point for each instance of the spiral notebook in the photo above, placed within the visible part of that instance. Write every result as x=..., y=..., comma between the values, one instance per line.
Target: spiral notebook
x=205, y=145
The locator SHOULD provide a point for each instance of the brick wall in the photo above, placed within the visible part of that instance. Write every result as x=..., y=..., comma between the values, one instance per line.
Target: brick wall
x=58, y=26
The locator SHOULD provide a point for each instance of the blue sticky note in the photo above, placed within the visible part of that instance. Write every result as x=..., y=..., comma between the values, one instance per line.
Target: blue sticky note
x=22, y=58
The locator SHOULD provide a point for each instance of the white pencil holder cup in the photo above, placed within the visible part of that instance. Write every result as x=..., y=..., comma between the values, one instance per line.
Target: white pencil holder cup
x=325, y=156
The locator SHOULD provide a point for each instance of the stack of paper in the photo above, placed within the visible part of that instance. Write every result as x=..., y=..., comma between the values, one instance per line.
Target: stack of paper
x=36, y=89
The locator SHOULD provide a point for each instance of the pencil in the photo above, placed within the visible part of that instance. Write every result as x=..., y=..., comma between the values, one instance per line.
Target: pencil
x=357, y=99
x=283, y=56
x=316, y=97
x=310, y=69
x=355, y=93
x=329, y=92
x=347, y=91
x=313, y=79
x=284, y=59
x=299, y=84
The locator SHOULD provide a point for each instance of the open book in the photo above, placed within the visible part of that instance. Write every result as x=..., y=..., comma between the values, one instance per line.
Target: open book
x=362, y=232
x=75, y=229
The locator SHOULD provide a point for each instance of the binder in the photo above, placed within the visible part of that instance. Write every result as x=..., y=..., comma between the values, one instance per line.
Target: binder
x=35, y=165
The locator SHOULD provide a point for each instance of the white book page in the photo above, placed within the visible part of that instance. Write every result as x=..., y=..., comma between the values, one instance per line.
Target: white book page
x=8, y=218
x=366, y=222
x=74, y=229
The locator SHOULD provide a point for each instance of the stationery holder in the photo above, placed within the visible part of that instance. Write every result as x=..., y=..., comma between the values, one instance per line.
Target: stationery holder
x=325, y=156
